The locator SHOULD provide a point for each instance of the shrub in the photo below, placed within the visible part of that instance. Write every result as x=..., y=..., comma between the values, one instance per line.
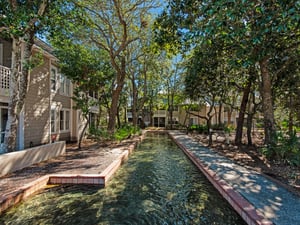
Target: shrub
x=285, y=126
x=98, y=133
x=228, y=129
x=198, y=128
x=286, y=148
x=126, y=131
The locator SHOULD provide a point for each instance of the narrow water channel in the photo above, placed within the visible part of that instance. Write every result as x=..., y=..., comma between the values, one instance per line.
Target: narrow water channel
x=158, y=185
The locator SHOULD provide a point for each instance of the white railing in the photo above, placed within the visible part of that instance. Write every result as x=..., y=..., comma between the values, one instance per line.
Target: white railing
x=4, y=77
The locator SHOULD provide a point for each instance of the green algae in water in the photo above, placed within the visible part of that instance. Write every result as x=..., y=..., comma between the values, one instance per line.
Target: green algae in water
x=158, y=185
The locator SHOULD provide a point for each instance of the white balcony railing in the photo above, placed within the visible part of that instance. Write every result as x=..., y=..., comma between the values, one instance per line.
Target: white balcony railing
x=4, y=80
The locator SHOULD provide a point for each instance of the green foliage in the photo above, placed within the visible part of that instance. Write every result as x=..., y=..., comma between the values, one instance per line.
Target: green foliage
x=198, y=128
x=285, y=126
x=125, y=132
x=18, y=18
x=205, y=74
x=99, y=133
x=224, y=127
x=228, y=129
x=247, y=32
x=286, y=149
x=35, y=61
x=87, y=68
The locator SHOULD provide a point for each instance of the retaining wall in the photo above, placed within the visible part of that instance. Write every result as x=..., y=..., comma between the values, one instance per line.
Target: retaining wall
x=13, y=161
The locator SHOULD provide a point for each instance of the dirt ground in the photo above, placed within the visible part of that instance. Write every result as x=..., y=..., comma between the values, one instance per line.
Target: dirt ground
x=249, y=156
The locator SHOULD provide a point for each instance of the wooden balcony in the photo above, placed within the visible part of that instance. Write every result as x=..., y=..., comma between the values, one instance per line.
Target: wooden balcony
x=4, y=80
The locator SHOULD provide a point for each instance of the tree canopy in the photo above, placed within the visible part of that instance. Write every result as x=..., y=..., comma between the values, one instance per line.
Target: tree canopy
x=255, y=32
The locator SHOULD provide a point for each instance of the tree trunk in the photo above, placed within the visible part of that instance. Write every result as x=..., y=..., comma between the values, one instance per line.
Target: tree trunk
x=186, y=117
x=171, y=116
x=229, y=115
x=118, y=118
x=240, y=122
x=208, y=123
x=291, y=115
x=267, y=103
x=220, y=114
x=83, y=131
x=12, y=120
x=125, y=115
x=171, y=108
x=252, y=108
x=18, y=89
x=134, y=103
x=113, y=111
x=249, y=128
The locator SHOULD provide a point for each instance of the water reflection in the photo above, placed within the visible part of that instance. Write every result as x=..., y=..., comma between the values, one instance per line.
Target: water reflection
x=158, y=185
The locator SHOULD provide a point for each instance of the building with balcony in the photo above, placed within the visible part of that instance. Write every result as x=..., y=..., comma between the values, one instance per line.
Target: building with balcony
x=162, y=117
x=48, y=113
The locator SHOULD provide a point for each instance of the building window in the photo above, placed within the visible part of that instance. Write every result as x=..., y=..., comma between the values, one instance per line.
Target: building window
x=64, y=85
x=64, y=120
x=3, y=120
x=67, y=122
x=93, y=120
x=68, y=87
x=193, y=121
x=53, y=119
x=53, y=78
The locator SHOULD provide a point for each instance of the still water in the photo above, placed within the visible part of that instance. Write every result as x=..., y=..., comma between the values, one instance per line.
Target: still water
x=158, y=185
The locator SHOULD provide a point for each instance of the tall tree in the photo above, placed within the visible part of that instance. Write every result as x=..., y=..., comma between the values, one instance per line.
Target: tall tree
x=246, y=89
x=115, y=26
x=88, y=69
x=139, y=68
x=205, y=81
x=174, y=81
x=256, y=30
x=20, y=22
x=286, y=87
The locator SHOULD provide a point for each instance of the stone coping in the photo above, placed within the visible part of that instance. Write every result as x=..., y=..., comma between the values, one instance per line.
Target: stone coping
x=17, y=160
x=246, y=210
x=241, y=205
x=13, y=198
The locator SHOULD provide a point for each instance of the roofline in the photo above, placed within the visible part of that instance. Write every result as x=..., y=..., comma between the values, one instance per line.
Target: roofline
x=45, y=47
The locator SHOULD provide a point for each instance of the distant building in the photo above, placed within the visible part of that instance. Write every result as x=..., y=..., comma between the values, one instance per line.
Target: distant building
x=180, y=117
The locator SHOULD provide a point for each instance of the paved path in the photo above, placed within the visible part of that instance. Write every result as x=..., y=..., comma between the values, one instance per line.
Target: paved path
x=271, y=199
x=88, y=160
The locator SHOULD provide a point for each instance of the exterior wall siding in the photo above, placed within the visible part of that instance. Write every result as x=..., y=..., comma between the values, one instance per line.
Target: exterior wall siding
x=35, y=126
x=39, y=102
x=37, y=105
x=74, y=127
x=185, y=119
x=62, y=100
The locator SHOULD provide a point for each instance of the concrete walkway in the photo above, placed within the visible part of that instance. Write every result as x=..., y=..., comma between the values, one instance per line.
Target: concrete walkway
x=271, y=200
